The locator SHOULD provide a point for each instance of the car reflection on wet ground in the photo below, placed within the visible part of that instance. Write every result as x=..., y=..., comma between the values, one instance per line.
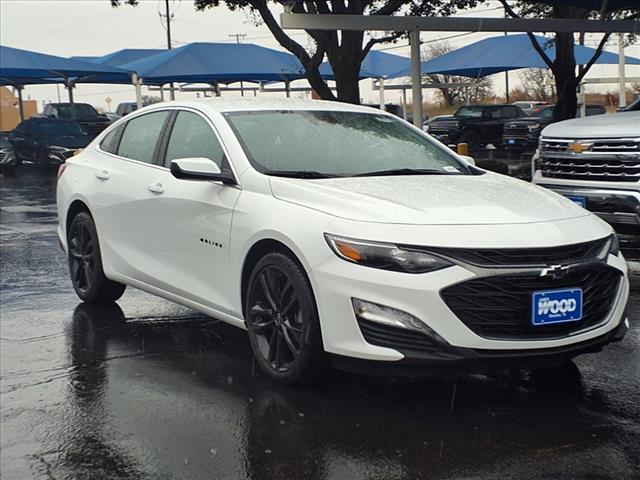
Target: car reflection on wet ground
x=147, y=389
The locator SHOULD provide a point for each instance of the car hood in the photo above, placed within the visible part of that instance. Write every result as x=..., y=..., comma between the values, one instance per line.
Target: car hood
x=429, y=199
x=623, y=124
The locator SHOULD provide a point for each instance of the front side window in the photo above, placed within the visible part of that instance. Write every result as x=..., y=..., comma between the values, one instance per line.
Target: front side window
x=141, y=135
x=337, y=144
x=191, y=137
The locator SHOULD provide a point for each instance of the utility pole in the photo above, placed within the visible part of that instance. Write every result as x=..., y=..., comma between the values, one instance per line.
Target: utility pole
x=238, y=36
x=168, y=16
x=506, y=74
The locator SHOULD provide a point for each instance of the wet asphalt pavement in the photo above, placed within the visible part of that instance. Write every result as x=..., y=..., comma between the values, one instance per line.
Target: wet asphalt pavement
x=147, y=389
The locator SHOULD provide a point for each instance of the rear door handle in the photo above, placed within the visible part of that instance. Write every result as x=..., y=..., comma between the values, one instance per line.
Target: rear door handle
x=102, y=175
x=156, y=188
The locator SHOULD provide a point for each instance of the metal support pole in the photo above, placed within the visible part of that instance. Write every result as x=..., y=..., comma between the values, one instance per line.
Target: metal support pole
x=137, y=84
x=287, y=88
x=381, y=92
x=72, y=105
x=20, y=106
x=162, y=92
x=622, y=91
x=416, y=77
x=404, y=104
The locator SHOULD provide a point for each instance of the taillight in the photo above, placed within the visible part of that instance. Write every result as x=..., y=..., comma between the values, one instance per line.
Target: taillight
x=61, y=170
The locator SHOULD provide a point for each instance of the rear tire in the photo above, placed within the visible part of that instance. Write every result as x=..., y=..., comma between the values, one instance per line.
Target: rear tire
x=85, y=263
x=282, y=320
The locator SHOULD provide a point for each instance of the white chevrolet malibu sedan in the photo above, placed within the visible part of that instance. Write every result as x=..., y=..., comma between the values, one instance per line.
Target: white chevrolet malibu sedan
x=332, y=231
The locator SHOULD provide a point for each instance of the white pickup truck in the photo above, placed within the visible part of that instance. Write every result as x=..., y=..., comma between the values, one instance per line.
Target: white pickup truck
x=595, y=161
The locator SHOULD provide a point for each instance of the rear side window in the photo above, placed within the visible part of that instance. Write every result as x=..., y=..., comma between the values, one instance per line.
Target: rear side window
x=140, y=136
x=191, y=137
x=110, y=143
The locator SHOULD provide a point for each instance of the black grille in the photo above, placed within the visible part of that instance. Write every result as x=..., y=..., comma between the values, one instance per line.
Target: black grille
x=510, y=257
x=398, y=338
x=516, y=131
x=500, y=307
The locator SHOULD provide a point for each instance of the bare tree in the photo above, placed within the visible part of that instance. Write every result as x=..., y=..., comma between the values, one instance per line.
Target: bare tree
x=477, y=92
x=534, y=83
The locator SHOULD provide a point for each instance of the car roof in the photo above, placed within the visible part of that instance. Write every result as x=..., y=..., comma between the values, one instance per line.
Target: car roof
x=224, y=105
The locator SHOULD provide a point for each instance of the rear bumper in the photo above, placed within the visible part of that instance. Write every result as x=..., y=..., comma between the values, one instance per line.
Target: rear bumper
x=619, y=208
x=449, y=360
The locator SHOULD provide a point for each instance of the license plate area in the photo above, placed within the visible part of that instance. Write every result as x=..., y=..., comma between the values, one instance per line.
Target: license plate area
x=556, y=306
x=578, y=200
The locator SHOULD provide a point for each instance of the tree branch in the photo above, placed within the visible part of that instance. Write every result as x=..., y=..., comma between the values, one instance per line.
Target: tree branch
x=595, y=57
x=532, y=37
x=375, y=41
x=389, y=8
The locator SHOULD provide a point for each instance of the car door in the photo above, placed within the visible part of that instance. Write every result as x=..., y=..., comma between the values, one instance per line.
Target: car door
x=191, y=220
x=123, y=197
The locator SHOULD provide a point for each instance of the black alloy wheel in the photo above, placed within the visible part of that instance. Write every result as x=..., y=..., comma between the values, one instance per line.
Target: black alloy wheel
x=282, y=320
x=85, y=263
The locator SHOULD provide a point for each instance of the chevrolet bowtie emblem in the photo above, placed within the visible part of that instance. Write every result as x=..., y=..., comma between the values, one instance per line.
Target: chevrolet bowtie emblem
x=579, y=147
x=555, y=271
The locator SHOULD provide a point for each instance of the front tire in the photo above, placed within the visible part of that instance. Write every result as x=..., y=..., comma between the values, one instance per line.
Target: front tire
x=85, y=263
x=282, y=320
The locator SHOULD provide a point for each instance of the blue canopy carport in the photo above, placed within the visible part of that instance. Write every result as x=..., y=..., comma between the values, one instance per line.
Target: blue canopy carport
x=505, y=53
x=377, y=65
x=23, y=67
x=216, y=63
x=120, y=57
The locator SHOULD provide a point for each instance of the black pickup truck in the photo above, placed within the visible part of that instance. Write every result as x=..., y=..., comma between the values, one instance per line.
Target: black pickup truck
x=85, y=115
x=476, y=125
x=522, y=134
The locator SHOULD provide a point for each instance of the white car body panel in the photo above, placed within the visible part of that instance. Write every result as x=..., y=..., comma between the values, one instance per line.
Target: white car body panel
x=154, y=241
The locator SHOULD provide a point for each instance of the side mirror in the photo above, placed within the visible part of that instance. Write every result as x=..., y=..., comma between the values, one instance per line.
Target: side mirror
x=200, y=169
x=469, y=159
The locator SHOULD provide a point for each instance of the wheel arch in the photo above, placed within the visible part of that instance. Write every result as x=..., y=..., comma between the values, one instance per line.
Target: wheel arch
x=258, y=250
x=75, y=207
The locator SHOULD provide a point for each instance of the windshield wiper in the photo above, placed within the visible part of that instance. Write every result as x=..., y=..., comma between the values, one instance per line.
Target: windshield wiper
x=308, y=174
x=404, y=171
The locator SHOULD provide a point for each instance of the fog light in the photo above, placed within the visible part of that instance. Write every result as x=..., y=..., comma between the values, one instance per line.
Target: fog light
x=374, y=312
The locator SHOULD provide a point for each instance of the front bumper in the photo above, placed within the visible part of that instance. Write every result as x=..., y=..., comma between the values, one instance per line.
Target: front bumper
x=619, y=208
x=455, y=360
x=519, y=143
x=336, y=282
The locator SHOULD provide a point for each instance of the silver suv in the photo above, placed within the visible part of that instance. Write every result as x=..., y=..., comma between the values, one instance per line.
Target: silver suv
x=595, y=161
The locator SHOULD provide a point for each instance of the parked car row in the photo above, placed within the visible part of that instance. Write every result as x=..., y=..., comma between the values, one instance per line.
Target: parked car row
x=514, y=126
x=43, y=141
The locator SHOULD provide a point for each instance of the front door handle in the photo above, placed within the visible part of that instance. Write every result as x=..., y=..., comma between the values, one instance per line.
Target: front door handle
x=102, y=175
x=156, y=188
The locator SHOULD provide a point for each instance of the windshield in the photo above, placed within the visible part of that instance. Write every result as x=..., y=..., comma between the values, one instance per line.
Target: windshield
x=60, y=128
x=475, y=112
x=547, y=113
x=336, y=144
x=82, y=110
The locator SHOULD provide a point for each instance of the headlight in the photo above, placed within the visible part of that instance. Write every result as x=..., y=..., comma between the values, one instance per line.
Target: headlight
x=385, y=256
x=611, y=247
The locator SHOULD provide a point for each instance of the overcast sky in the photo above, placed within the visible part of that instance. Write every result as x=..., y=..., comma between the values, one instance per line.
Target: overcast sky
x=94, y=28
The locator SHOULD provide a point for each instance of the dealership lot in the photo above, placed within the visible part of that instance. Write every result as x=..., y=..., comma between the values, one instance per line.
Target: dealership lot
x=149, y=389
